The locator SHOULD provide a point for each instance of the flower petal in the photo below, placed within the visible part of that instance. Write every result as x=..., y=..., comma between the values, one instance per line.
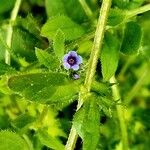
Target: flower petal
x=65, y=57
x=66, y=66
x=72, y=53
x=76, y=76
x=75, y=67
x=79, y=60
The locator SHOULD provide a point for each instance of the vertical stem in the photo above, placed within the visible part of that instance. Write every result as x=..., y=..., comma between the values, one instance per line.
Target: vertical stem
x=138, y=84
x=99, y=34
x=120, y=112
x=10, y=30
x=97, y=44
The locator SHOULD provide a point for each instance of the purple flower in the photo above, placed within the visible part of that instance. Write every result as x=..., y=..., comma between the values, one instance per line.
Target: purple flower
x=76, y=76
x=72, y=61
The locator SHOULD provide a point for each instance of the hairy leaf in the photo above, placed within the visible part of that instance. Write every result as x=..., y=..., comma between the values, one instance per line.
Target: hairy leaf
x=12, y=141
x=5, y=69
x=49, y=141
x=59, y=44
x=23, y=120
x=41, y=87
x=86, y=123
x=132, y=38
x=70, y=29
x=47, y=59
x=24, y=43
x=116, y=16
x=54, y=7
x=109, y=56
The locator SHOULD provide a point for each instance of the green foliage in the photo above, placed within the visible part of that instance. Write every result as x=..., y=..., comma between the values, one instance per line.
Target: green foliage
x=38, y=95
x=57, y=7
x=128, y=4
x=49, y=141
x=101, y=88
x=23, y=44
x=12, y=141
x=22, y=121
x=41, y=87
x=132, y=38
x=6, y=5
x=5, y=69
x=116, y=16
x=70, y=29
x=86, y=122
x=109, y=56
x=142, y=115
x=58, y=44
x=54, y=8
x=47, y=59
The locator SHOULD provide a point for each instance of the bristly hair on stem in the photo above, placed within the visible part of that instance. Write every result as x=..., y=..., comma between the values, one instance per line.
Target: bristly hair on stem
x=97, y=44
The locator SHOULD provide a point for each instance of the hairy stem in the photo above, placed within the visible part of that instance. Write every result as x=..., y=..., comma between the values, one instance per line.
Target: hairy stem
x=120, y=112
x=98, y=39
x=97, y=44
x=10, y=30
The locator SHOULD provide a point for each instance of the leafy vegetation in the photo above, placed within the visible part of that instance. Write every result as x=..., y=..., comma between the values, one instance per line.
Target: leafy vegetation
x=74, y=74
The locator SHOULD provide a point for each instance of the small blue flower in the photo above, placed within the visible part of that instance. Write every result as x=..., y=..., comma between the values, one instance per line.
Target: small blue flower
x=72, y=61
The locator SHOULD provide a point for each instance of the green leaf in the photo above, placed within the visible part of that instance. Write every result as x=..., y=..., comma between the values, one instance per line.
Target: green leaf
x=6, y=5
x=30, y=24
x=109, y=56
x=100, y=88
x=41, y=87
x=58, y=44
x=22, y=120
x=51, y=142
x=24, y=43
x=48, y=60
x=132, y=38
x=86, y=123
x=116, y=16
x=77, y=14
x=54, y=7
x=65, y=94
x=12, y=141
x=128, y=4
x=5, y=69
x=70, y=29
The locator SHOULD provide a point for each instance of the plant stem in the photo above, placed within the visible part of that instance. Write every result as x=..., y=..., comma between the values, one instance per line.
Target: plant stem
x=97, y=44
x=86, y=8
x=126, y=65
x=120, y=112
x=137, y=85
x=139, y=10
x=10, y=30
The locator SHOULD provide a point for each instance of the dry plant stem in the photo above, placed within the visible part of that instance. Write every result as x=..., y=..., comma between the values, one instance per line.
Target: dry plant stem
x=97, y=44
x=120, y=112
x=10, y=30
